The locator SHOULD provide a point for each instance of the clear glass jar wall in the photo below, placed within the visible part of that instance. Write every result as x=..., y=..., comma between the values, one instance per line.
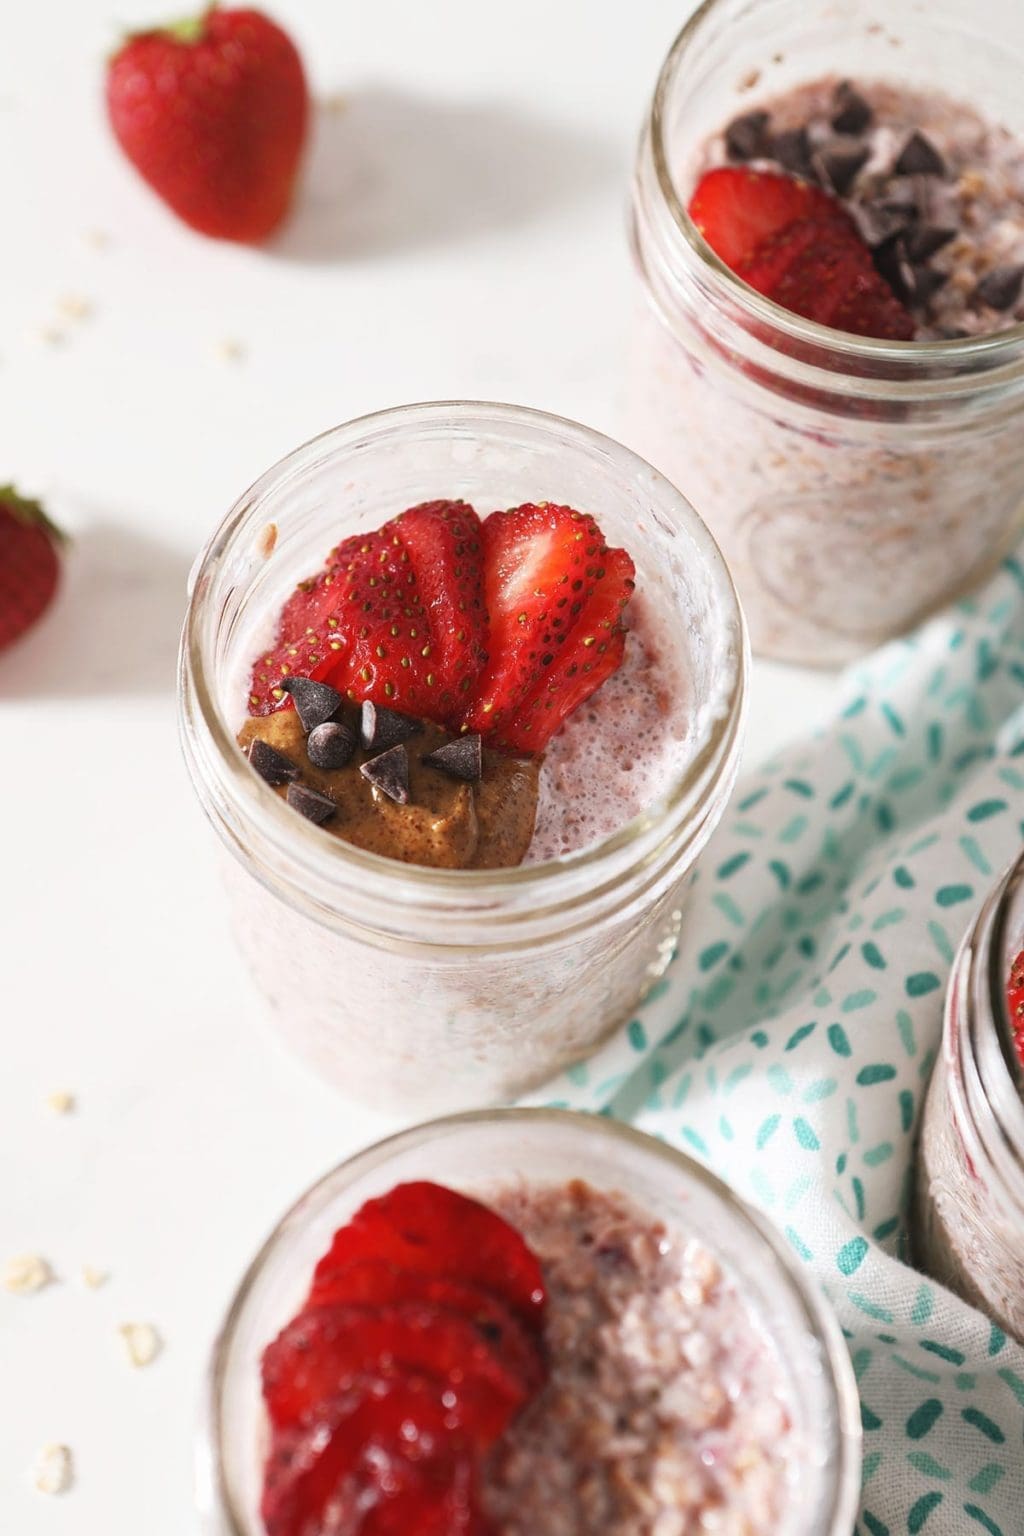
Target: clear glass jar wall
x=484, y=1151
x=970, y=1174
x=854, y=485
x=418, y=989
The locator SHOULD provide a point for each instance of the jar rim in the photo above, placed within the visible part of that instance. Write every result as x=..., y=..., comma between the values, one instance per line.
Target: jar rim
x=993, y=349
x=305, y=845
x=992, y=1081
x=814, y=1311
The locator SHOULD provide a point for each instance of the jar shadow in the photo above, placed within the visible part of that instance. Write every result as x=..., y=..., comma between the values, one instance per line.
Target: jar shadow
x=390, y=171
x=113, y=627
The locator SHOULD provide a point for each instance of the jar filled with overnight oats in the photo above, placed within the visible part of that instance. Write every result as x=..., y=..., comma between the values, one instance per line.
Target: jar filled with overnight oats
x=415, y=988
x=854, y=484
x=694, y=1378
x=969, y=1201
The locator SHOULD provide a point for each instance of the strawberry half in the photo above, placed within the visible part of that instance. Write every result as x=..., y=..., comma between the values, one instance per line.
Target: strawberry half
x=738, y=210
x=325, y=1350
x=29, y=563
x=1015, y=1005
x=444, y=543
x=436, y=1231
x=798, y=246
x=555, y=595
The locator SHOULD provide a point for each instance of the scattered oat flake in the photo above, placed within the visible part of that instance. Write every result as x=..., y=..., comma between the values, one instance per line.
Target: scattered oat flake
x=336, y=103
x=229, y=350
x=61, y=1103
x=25, y=1274
x=93, y=1278
x=74, y=306
x=97, y=238
x=267, y=541
x=142, y=1342
x=54, y=1469
x=51, y=335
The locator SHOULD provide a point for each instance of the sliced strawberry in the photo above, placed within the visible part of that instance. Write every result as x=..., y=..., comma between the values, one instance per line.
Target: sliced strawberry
x=813, y=262
x=870, y=308
x=444, y=544
x=1015, y=1004
x=323, y=1351
x=369, y=1444
x=375, y=1283
x=737, y=209
x=436, y=1231
x=442, y=1502
x=544, y=567
x=592, y=652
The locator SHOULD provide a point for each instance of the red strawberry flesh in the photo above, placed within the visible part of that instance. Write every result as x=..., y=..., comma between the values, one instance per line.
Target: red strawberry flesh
x=425, y=1227
x=1015, y=1005
x=29, y=564
x=325, y=1350
x=367, y=1445
x=798, y=246
x=546, y=568
x=738, y=210
x=374, y=1282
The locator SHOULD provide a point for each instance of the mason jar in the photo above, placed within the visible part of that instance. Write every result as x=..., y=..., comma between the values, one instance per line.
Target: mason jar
x=854, y=485
x=969, y=1197
x=492, y=1151
x=416, y=989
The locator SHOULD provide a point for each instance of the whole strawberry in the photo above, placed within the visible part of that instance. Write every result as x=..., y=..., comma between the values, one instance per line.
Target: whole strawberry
x=29, y=563
x=213, y=113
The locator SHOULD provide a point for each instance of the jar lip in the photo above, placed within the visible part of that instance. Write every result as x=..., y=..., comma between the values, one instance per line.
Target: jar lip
x=306, y=844
x=993, y=348
x=988, y=955
x=815, y=1312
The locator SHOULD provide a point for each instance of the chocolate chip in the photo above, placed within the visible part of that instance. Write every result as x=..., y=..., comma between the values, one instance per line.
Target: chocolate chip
x=891, y=262
x=331, y=745
x=1000, y=288
x=310, y=803
x=792, y=150
x=389, y=773
x=841, y=163
x=925, y=282
x=314, y=702
x=852, y=113
x=919, y=157
x=877, y=221
x=926, y=239
x=380, y=728
x=459, y=759
x=271, y=764
x=746, y=137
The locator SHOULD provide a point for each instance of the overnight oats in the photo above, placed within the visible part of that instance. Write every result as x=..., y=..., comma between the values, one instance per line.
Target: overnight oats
x=829, y=357
x=970, y=1172
x=587, y=1335
x=466, y=748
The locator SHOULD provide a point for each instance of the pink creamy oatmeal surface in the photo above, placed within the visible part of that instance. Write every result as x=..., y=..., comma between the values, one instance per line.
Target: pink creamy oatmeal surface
x=666, y=1408
x=971, y=282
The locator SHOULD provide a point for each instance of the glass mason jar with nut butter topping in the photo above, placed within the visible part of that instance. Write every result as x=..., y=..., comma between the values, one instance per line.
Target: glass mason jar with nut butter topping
x=415, y=988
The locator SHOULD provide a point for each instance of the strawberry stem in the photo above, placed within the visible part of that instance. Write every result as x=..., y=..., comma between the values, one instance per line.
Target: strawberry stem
x=185, y=30
x=26, y=510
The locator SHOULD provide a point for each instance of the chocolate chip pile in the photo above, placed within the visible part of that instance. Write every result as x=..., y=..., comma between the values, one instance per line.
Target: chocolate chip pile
x=333, y=732
x=913, y=199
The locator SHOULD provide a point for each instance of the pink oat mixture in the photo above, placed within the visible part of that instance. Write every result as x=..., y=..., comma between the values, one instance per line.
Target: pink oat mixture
x=981, y=196
x=665, y=1413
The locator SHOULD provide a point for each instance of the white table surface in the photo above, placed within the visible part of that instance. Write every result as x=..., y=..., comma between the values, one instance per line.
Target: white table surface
x=460, y=233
